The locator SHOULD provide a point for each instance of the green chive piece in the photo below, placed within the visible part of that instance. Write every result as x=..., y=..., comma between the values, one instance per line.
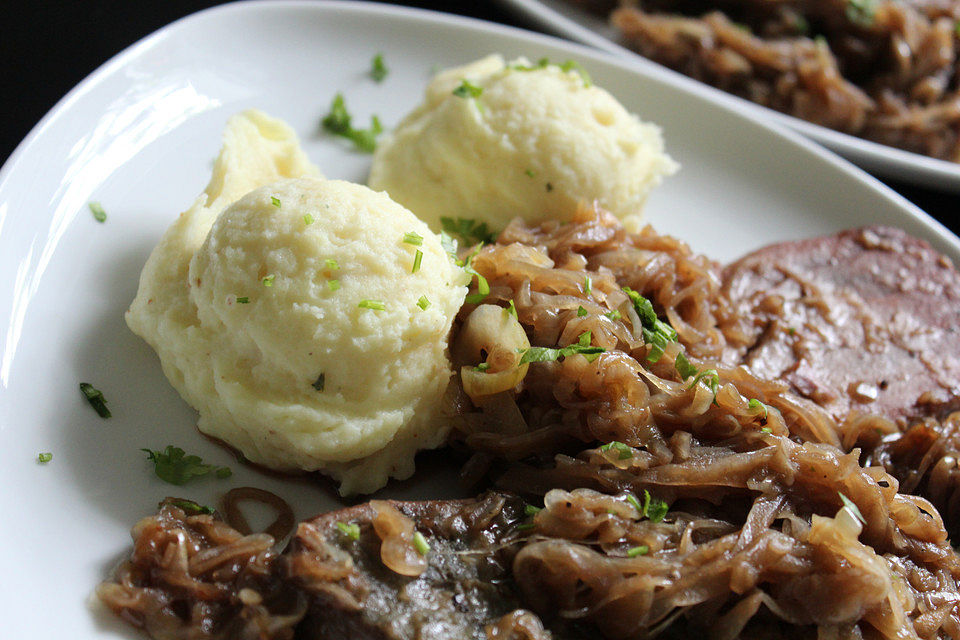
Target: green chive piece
x=378, y=69
x=531, y=510
x=420, y=543
x=483, y=366
x=467, y=90
x=331, y=264
x=95, y=398
x=333, y=285
x=351, y=530
x=614, y=315
x=512, y=309
x=849, y=504
x=413, y=238
x=581, y=312
x=526, y=526
x=623, y=450
x=423, y=303
x=243, y=300
x=189, y=507
x=530, y=173
x=268, y=281
x=44, y=458
x=632, y=499
x=275, y=201
x=375, y=305
x=683, y=366
x=307, y=219
x=641, y=550
x=417, y=259
x=587, y=285
x=97, y=210
x=767, y=430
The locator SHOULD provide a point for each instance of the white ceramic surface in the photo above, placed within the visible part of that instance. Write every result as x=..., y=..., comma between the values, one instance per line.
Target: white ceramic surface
x=139, y=135
x=564, y=18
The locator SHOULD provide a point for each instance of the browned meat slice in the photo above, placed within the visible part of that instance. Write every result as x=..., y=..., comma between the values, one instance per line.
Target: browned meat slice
x=366, y=579
x=862, y=321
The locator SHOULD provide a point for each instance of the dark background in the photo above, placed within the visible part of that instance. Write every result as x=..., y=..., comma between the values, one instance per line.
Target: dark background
x=47, y=47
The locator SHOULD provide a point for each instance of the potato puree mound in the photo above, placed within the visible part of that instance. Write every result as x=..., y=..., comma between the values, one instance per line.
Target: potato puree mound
x=534, y=143
x=258, y=322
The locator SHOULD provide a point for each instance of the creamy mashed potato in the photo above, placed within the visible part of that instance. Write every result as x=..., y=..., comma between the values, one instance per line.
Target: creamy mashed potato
x=534, y=143
x=260, y=310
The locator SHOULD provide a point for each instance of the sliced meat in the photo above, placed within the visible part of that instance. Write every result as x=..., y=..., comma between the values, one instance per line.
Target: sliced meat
x=862, y=321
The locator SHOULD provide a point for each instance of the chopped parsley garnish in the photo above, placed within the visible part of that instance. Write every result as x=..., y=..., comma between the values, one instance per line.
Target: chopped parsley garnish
x=542, y=63
x=656, y=333
x=613, y=315
x=174, y=466
x=243, y=300
x=331, y=264
x=375, y=305
x=319, y=383
x=849, y=504
x=95, y=397
x=526, y=526
x=581, y=312
x=189, y=507
x=531, y=510
x=268, y=281
x=569, y=65
x=275, y=201
x=755, y=406
x=413, y=238
x=861, y=12
x=469, y=230
x=44, y=458
x=338, y=122
x=587, y=285
x=417, y=259
x=333, y=285
x=511, y=309
x=530, y=173
x=423, y=303
x=483, y=366
x=307, y=219
x=641, y=550
x=683, y=366
x=483, y=287
x=767, y=430
x=625, y=452
x=378, y=70
x=546, y=354
x=420, y=543
x=467, y=90
x=351, y=530
x=652, y=508
x=98, y=213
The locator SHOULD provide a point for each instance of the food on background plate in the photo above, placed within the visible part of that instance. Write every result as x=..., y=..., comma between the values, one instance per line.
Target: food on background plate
x=884, y=70
x=306, y=320
x=494, y=140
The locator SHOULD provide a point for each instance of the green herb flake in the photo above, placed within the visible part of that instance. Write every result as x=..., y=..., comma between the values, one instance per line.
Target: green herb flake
x=581, y=312
x=613, y=315
x=547, y=354
x=423, y=303
x=531, y=510
x=333, y=285
x=351, y=530
x=683, y=366
x=331, y=264
x=417, y=260
x=861, y=12
x=755, y=406
x=587, y=285
x=624, y=451
x=469, y=230
x=189, y=507
x=656, y=333
x=526, y=526
x=97, y=210
x=483, y=366
x=511, y=309
x=268, y=281
x=849, y=504
x=307, y=219
x=766, y=430
x=95, y=397
x=420, y=543
x=542, y=63
x=174, y=466
x=374, y=305
x=530, y=173
x=632, y=499
x=654, y=508
x=243, y=300
x=573, y=65
x=378, y=69
x=320, y=382
x=338, y=122
x=709, y=377
x=467, y=90
x=275, y=201
x=483, y=287
x=640, y=550
x=44, y=458
x=413, y=238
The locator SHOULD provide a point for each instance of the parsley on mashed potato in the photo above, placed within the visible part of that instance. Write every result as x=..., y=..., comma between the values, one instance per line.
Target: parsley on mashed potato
x=285, y=308
x=492, y=141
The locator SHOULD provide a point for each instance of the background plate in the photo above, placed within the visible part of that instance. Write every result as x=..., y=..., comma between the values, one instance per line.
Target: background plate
x=139, y=136
x=563, y=18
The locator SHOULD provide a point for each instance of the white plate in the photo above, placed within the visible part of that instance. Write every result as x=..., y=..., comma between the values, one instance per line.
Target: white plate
x=139, y=135
x=564, y=18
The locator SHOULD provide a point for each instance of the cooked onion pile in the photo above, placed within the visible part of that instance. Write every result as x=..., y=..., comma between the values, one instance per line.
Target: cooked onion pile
x=885, y=70
x=680, y=496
